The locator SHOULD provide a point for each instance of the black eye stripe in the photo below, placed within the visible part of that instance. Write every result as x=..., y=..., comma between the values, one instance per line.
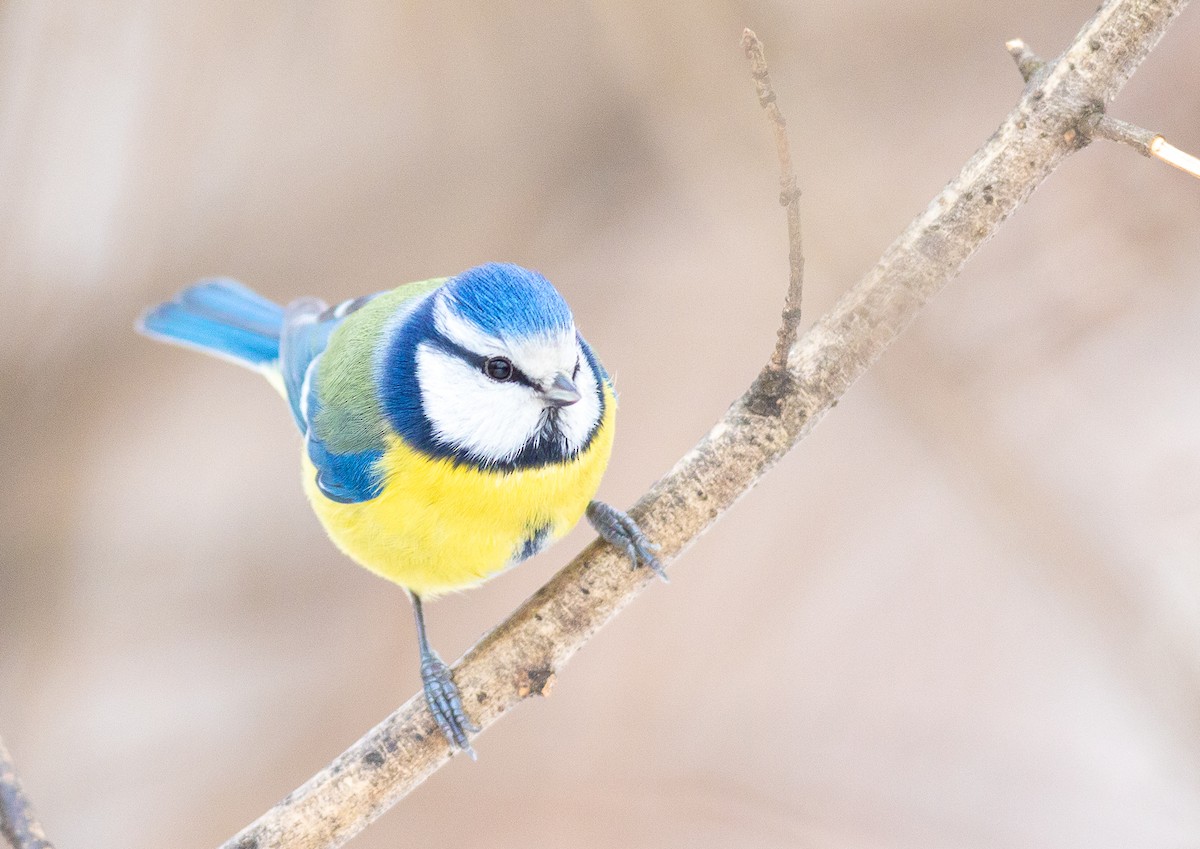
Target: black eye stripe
x=477, y=361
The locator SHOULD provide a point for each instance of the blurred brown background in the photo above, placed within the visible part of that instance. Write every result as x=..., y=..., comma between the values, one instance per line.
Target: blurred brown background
x=966, y=612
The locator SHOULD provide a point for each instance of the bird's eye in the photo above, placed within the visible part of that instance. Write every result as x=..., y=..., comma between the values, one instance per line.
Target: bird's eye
x=499, y=368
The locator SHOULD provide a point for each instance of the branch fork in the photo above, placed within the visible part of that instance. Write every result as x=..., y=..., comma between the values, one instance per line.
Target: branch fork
x=1146, y=142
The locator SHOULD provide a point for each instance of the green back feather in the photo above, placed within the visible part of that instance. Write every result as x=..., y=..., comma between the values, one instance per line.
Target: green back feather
x=350, y=418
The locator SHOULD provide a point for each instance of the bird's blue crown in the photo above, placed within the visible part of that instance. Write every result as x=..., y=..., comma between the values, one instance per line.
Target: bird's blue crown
x=507, y=300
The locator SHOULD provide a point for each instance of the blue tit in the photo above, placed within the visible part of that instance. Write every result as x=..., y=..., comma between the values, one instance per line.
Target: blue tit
x=452, y=427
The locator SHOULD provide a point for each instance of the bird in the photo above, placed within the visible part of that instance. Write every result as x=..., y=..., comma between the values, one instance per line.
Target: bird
x=452, y=428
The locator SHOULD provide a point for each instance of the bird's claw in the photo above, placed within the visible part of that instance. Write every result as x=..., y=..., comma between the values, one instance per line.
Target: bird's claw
x=617, y=528
x=445, y=703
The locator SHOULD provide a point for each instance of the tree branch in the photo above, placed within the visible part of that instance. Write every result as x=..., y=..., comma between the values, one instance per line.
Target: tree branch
x=18, y=825
x=521, y=656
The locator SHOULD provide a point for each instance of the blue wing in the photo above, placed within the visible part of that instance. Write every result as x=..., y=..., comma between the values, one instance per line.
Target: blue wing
x=349, y=477
x=303, y=339
x=343, y=452
x=226, y=319
x=307, y=325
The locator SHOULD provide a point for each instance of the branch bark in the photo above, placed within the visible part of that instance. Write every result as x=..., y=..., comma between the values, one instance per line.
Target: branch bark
x=18, y=825
x=521, y=657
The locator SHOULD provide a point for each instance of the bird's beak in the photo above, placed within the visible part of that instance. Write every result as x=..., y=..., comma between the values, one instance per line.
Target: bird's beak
x=561, y=393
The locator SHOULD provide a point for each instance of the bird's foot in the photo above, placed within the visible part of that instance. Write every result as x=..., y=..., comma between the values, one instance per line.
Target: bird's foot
x=442, y=696
x=617, y=528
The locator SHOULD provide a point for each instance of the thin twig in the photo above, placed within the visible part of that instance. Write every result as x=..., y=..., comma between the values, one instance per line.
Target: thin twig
x=18, y=825
x=1028, y=62
x=1148, y=143
x=519, y=657
x=789, y=196
x=1123, y=132
x=1166, y=152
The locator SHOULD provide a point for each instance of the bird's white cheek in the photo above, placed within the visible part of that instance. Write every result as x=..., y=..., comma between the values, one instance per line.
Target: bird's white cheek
x=472, y=413
x=578, y=420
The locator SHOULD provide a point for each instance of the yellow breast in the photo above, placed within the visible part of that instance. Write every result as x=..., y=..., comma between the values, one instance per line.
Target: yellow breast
x=437, y=526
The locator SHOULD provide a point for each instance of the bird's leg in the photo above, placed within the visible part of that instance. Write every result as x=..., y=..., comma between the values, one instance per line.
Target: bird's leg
x=616, y=528
x=441, y=693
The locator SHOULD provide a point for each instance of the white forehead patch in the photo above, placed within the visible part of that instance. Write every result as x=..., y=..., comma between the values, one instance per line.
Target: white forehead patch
x=540, y=356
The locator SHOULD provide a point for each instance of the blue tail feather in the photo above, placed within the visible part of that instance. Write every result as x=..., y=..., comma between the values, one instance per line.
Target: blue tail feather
x=221, y=317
